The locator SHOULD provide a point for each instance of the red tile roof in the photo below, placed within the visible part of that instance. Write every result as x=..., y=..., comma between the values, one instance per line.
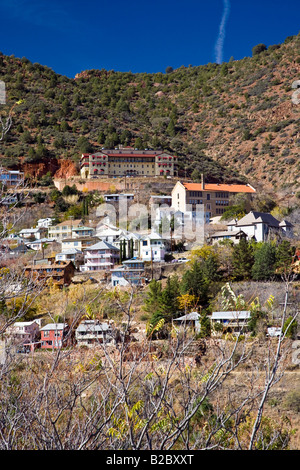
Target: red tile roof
x=231, y=188
x=129, y=153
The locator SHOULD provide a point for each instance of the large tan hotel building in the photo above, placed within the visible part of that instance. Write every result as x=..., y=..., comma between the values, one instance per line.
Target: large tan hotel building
x=127, y=162
x=214, y=196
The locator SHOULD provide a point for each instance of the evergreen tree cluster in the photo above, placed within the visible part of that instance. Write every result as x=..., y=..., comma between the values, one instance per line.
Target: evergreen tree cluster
x=169, y=302
x=126, y=249
x=261, y=261
x=204, y=278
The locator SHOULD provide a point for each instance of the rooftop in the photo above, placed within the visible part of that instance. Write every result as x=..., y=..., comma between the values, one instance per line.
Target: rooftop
x=46, y=264
x=24, y=323
x=81, y=227
x=71, y=251
x=133, y=260
x=102, y=246
x=70, y=223
x=254, y=217
x=231, y=315
x=41, y=240
x=226, y=233
x=54, y=326
x=91, y=326
x=79, y=239
x=30, y=230
x=128, y=152
x=190, y=316
x=231, y=188
x=118, y=194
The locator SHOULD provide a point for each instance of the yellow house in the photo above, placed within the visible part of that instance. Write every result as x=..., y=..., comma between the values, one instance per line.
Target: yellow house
x=64, y=229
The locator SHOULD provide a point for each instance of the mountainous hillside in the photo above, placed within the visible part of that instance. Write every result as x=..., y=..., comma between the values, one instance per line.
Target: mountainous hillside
x=234, y=122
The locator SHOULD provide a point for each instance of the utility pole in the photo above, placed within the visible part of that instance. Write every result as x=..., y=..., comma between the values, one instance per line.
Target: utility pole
x=151, y=261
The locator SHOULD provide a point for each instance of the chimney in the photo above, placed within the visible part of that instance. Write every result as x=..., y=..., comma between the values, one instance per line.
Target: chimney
x=202, y=182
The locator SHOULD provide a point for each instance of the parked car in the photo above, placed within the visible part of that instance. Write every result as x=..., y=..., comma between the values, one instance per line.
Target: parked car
x=274, y=332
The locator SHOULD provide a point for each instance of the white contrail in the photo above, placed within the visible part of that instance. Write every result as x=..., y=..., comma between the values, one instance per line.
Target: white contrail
x=222, y=32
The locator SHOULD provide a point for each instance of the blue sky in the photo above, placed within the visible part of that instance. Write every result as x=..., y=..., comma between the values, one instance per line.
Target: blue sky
x=141, y=36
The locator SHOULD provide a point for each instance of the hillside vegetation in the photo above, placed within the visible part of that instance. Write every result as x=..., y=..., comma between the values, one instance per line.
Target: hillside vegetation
x=234, y=121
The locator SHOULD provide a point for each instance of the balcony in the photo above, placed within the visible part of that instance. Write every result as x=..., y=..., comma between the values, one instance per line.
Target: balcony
x=98, y=256
x=98, y=263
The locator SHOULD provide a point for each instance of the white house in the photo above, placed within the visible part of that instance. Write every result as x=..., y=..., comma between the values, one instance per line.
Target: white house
x=115, y=236
x=118, y=197
x=109, y=233
x=260, y=226
x=45, y=222
x=72, y=254
x=181, y=218
x=78, y=243
x=286, y=227
x=129, y=237
x=232, y=235
x=191, y=319
x=234, y=321
x=36, y=232
x=63, y=229
x=82, y=231
x=153, y=247
x=39, y=244
x=91, y=332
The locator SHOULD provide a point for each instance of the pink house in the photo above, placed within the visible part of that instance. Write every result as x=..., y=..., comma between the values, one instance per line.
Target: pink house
x=100, y=257
x=21, y=333
x=53, y=335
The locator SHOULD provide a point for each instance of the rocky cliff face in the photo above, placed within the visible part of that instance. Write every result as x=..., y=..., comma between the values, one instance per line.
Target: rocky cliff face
x=58, y=168
x=66, y=169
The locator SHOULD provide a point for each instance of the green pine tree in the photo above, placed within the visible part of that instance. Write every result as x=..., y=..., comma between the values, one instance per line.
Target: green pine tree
x=194, y=283
x=153, y=298
x=284, y=256
x=163, y=303
x=169, y=305
x=242, y=260
x=210, y=267
x=205, y=324
x=264, y=262
x=121, y=253
x=124, y=250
